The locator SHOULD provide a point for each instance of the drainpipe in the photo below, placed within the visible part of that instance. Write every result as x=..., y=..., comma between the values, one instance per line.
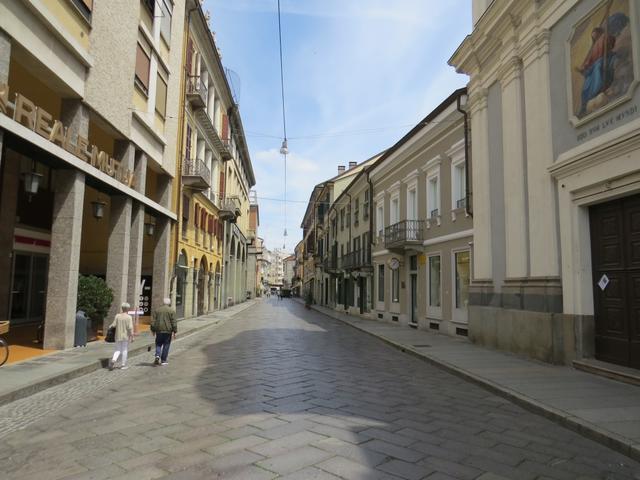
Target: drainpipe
x=371, y=211
x=467, y=191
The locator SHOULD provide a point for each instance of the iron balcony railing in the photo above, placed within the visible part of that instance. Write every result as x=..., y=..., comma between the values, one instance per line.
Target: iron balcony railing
x=462, y=203
x=330, y=263
x=434, y=213
x=197, y=91
x=195, y=173
x=230, y=208
x=356, y=259
x=406, y=232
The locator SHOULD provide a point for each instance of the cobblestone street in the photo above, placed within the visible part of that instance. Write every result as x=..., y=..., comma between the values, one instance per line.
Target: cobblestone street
x=282, y=392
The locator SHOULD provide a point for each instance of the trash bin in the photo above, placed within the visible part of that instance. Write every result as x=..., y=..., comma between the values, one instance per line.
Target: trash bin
x=80, y=337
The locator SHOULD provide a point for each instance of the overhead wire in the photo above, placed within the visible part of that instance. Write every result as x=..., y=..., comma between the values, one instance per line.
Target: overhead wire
x=283, y=149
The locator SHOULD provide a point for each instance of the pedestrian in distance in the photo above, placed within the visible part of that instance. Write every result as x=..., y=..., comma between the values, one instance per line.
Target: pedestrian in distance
x=164, y=326
x=123, y=324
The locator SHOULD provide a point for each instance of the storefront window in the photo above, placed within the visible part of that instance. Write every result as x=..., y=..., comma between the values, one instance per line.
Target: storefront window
x=462, y=279
x=434, y=281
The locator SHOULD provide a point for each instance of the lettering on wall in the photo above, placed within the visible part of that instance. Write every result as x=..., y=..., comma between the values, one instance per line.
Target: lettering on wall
x=37, y=119
x=607, y=123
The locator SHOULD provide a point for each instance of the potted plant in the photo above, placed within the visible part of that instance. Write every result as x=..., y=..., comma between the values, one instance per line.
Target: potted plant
x=94, y=298
x=308, y=300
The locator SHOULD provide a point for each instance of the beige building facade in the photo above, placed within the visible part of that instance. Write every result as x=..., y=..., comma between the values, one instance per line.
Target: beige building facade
x=423, y=228
x=87, y=91
x=554, y=113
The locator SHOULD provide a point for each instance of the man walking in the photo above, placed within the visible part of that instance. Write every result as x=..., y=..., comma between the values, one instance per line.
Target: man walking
x=164, y=326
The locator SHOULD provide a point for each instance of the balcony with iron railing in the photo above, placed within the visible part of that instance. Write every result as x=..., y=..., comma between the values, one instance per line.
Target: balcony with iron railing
x=356, y=259
x=195, y=174
x=330, y=263
x=230, y=208
x=196, y=91
x=405, y=233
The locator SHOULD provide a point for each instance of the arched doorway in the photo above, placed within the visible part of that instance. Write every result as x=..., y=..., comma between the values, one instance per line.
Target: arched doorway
x=202, y=283
x=181, y=280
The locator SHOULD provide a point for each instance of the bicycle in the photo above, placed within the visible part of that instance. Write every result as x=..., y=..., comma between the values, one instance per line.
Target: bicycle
x=4, y=345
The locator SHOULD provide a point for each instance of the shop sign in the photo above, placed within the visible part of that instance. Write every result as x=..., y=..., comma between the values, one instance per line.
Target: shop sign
x=37, y=119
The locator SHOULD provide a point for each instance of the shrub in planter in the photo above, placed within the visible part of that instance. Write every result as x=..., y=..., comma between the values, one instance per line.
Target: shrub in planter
x=95, y=298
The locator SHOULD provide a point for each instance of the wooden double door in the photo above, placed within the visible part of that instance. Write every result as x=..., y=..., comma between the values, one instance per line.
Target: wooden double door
x=615, y=250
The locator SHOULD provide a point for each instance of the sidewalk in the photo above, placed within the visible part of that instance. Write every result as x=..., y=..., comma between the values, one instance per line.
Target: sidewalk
x=19, y=380
x=604, y=410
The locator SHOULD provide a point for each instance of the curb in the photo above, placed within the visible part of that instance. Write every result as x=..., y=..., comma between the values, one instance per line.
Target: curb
x=576, y=424
x=41, y=385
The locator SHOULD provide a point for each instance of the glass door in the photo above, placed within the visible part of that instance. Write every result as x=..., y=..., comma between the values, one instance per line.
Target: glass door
x=28, y=287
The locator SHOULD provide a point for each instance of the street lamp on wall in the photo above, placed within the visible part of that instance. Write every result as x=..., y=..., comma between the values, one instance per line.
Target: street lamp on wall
x=31, y=182
x=150, y=228
x=98, y=208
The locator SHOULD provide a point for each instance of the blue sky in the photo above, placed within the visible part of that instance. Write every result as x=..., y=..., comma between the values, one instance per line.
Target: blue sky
x=358, y=75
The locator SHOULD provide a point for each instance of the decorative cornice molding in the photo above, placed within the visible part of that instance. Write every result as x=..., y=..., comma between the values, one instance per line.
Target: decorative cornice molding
x=510, y=70
x=433, y=164
x=411, y=176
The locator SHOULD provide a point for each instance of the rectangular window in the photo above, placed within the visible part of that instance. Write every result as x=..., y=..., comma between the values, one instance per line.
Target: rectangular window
x=185, y=215
x=356, y=212
x=149, y=5
x=395, y=285
x=463, y=275
x=143, y=64
x=434, y=281
x=459, y=185
x=365, y=205
x=381, y=283
x=433, y=198
x=85, y=7
x=161, y=96
x=380, y=219
x=165, y=20
x=348, y=222
x=394, y=214
x=412, y=205
x=341, y=219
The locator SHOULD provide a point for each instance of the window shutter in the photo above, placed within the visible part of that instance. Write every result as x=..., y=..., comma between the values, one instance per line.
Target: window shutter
x=187, y=148
x=225, y=128
x=222, y=185
x=196, y=217
x=189, y=62
x=143, y=63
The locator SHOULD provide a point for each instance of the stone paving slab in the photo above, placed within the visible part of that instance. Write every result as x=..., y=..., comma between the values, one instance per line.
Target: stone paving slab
x=600, y=408
x=19, y=380
x=209, y=414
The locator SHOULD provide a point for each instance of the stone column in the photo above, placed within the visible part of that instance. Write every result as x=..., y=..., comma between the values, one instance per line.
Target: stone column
x=163, y=190
x=75, y=115
x=207, y=298
x=118, y=253
x=140, y=172
x=515, y=178
x=5, y=59
x=135, y=254
x=188, y=293
x=543, y=219
x=481, y=179
x=161, y=261
x=196, y=275
x=64, y=259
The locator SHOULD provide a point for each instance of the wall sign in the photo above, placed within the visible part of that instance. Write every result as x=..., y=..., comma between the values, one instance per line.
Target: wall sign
x=37, y=119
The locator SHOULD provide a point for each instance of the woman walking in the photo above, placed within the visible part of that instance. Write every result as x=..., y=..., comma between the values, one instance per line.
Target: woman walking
x=124, y=334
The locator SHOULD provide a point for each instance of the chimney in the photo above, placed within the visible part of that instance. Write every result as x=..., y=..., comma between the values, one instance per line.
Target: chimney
x=340, y=169
x=352, y=165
